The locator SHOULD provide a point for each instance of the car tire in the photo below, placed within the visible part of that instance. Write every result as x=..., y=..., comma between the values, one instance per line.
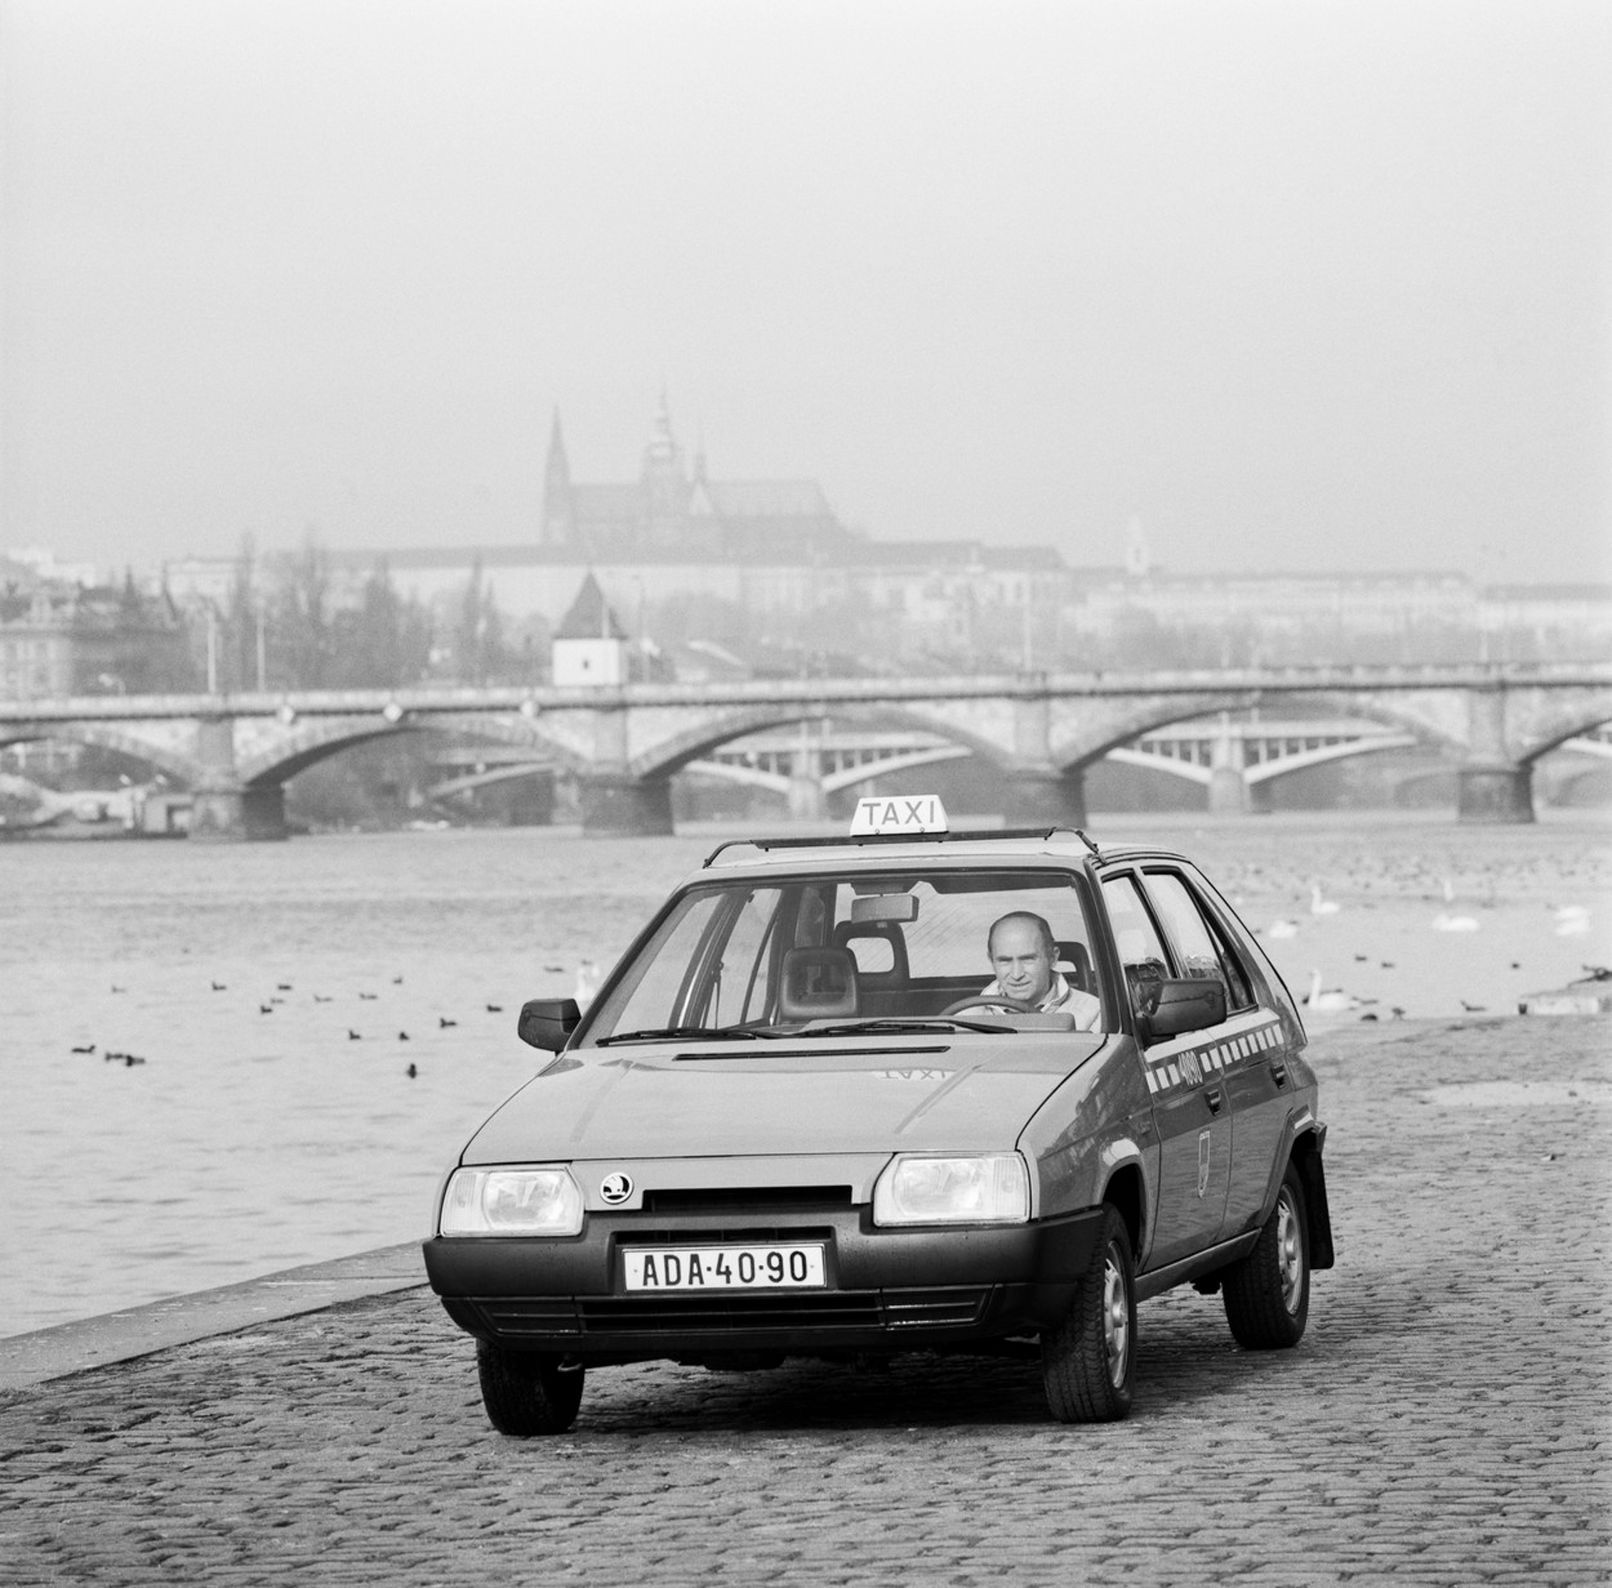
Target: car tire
x=1267, y=1294
x=527, y=1392
x=1088, y=1359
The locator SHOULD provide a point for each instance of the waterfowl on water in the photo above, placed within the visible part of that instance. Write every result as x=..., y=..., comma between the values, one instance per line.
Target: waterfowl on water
x=1320, y=905
x=1332, y=1000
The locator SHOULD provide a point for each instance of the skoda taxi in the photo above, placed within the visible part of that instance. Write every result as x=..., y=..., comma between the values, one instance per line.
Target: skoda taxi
x=806, y=1117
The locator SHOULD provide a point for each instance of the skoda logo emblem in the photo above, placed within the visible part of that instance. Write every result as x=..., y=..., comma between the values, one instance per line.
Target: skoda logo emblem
x=616, y=1187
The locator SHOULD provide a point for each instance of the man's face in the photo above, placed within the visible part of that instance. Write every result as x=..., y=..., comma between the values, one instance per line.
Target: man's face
x=1022, y=961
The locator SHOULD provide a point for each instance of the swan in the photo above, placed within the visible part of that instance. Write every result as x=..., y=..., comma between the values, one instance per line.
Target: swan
x=1283, y=929
x=1320, y=906
x=1445, y=922
x=1333, y=1001
x=1572, y=920
x=587, y=983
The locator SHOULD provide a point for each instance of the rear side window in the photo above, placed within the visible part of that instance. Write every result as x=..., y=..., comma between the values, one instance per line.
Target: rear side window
x=1201, y=948
x=1141, y=953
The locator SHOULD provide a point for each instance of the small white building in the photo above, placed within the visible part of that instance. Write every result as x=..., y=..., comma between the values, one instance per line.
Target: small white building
x=590, y=646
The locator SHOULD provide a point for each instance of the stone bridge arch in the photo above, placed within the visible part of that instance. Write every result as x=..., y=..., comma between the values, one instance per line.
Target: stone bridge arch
x=272, y=756
x=1088, y=735
x=1552, y=722
x=172, y=761
x=697, y=740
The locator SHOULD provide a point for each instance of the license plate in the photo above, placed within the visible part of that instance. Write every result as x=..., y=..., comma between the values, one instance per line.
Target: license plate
x=725, y=1267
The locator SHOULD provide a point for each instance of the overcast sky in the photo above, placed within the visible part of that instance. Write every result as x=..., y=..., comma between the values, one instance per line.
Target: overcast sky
x=1296, y=285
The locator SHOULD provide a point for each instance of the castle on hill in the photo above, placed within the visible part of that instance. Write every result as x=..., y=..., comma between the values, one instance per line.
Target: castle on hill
x=674, y=511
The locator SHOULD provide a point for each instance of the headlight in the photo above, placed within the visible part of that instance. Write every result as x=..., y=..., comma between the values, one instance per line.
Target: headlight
x=511, y=1202
x=983, y=1190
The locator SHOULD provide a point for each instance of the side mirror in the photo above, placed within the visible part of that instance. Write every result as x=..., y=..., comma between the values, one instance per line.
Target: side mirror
x=1187, y=1003
x=548, y=1022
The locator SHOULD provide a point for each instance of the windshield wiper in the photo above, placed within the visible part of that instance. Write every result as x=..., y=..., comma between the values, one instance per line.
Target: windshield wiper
x=680, y=1033
x=896, y=1025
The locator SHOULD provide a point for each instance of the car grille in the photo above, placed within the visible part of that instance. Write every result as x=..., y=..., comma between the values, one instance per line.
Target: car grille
x=725, y=1199
x=517, y=1317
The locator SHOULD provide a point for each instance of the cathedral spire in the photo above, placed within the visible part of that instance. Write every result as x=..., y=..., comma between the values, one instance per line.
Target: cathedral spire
x=559, y=517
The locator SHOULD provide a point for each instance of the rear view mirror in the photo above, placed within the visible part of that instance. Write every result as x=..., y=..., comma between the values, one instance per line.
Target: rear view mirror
x=885, y=907
x=1188, y=1003
x=547, y=1023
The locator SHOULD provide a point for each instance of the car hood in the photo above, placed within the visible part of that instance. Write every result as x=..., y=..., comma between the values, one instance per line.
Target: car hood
x=665, y=1101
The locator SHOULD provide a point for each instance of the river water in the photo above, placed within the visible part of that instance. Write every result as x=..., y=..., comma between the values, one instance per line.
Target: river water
x=278, y=994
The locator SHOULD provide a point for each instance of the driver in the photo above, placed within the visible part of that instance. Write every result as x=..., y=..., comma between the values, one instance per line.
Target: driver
x=1024, y=956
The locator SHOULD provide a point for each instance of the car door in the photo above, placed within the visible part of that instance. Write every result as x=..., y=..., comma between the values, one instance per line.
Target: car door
x=1264, y=1034
x=1189, y=1112
x=1243, y=1054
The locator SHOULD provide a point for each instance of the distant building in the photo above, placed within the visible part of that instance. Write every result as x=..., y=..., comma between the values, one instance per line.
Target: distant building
x=777, y=552
x=773, y=548
x=590, y=646
x=674, y=511
x=62, y=638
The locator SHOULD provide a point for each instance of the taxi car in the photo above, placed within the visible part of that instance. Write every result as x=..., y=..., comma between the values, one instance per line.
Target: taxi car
x=794, y=1123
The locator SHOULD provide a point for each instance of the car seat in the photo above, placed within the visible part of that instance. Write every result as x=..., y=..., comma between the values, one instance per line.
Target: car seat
x=817, y=983
x=1074, y=960
x=893, y=975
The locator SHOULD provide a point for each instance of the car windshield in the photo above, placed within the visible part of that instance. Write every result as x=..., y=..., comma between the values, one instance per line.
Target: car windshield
x=830, y=955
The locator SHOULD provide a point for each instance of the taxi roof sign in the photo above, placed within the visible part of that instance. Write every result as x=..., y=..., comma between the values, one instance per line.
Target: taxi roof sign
x=884, y=816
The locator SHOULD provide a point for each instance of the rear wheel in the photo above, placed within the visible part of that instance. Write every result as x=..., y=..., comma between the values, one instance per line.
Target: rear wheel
x=1086, y=1362
x=1267, y=1294
x=527, y=1392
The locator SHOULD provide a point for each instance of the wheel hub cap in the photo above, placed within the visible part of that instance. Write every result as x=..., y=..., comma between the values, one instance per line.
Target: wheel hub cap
x=1289, y=1254
x=1116, y=1322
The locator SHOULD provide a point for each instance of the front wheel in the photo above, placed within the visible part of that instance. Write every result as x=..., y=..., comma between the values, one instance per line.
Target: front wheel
x=527, y=1392
x=1087, y=1360
x=1267, y=1294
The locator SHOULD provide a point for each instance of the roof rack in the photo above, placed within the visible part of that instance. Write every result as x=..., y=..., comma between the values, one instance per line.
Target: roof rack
x=879, y=840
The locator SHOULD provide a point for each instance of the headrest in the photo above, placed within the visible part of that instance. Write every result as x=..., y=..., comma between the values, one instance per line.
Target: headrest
x=818, y=982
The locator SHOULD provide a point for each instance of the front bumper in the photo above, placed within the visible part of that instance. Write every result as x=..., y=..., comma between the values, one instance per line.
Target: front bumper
x=887, y=1289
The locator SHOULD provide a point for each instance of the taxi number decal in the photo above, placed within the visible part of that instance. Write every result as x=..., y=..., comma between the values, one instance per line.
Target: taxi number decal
x=1188, y=1067
x=725, y=1268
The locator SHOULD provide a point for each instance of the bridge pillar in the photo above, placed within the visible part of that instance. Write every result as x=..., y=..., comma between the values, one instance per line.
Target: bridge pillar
x=1492, y=786
x=233, y=814
x=1228, y=784
x=619, y=805
x=1037, y=796
x=223, y=809
x=807, y=801
x=1494, y=794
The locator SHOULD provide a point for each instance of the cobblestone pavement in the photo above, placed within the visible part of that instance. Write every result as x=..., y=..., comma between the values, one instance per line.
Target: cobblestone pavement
x=1444, y=1421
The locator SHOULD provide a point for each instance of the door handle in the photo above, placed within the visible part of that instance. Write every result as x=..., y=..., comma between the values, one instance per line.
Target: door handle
x=1279, y=1072
x=1216, y=1100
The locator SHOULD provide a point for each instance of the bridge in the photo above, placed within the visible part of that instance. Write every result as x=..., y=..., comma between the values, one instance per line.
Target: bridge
x=1491, y=720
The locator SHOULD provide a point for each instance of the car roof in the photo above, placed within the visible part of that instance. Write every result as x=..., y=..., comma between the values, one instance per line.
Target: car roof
x=955, y=849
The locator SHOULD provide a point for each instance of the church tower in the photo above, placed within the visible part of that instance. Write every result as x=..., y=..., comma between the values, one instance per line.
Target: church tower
x=665, y=484
x=559, y=510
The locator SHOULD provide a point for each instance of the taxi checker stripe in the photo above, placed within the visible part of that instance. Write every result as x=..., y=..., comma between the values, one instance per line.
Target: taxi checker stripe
x=1164, y=1073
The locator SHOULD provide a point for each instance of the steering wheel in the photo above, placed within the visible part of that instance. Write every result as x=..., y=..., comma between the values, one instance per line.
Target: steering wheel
x=1017, y=1006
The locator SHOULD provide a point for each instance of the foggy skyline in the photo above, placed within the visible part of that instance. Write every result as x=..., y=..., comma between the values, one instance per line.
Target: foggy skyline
x=1296, y=286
